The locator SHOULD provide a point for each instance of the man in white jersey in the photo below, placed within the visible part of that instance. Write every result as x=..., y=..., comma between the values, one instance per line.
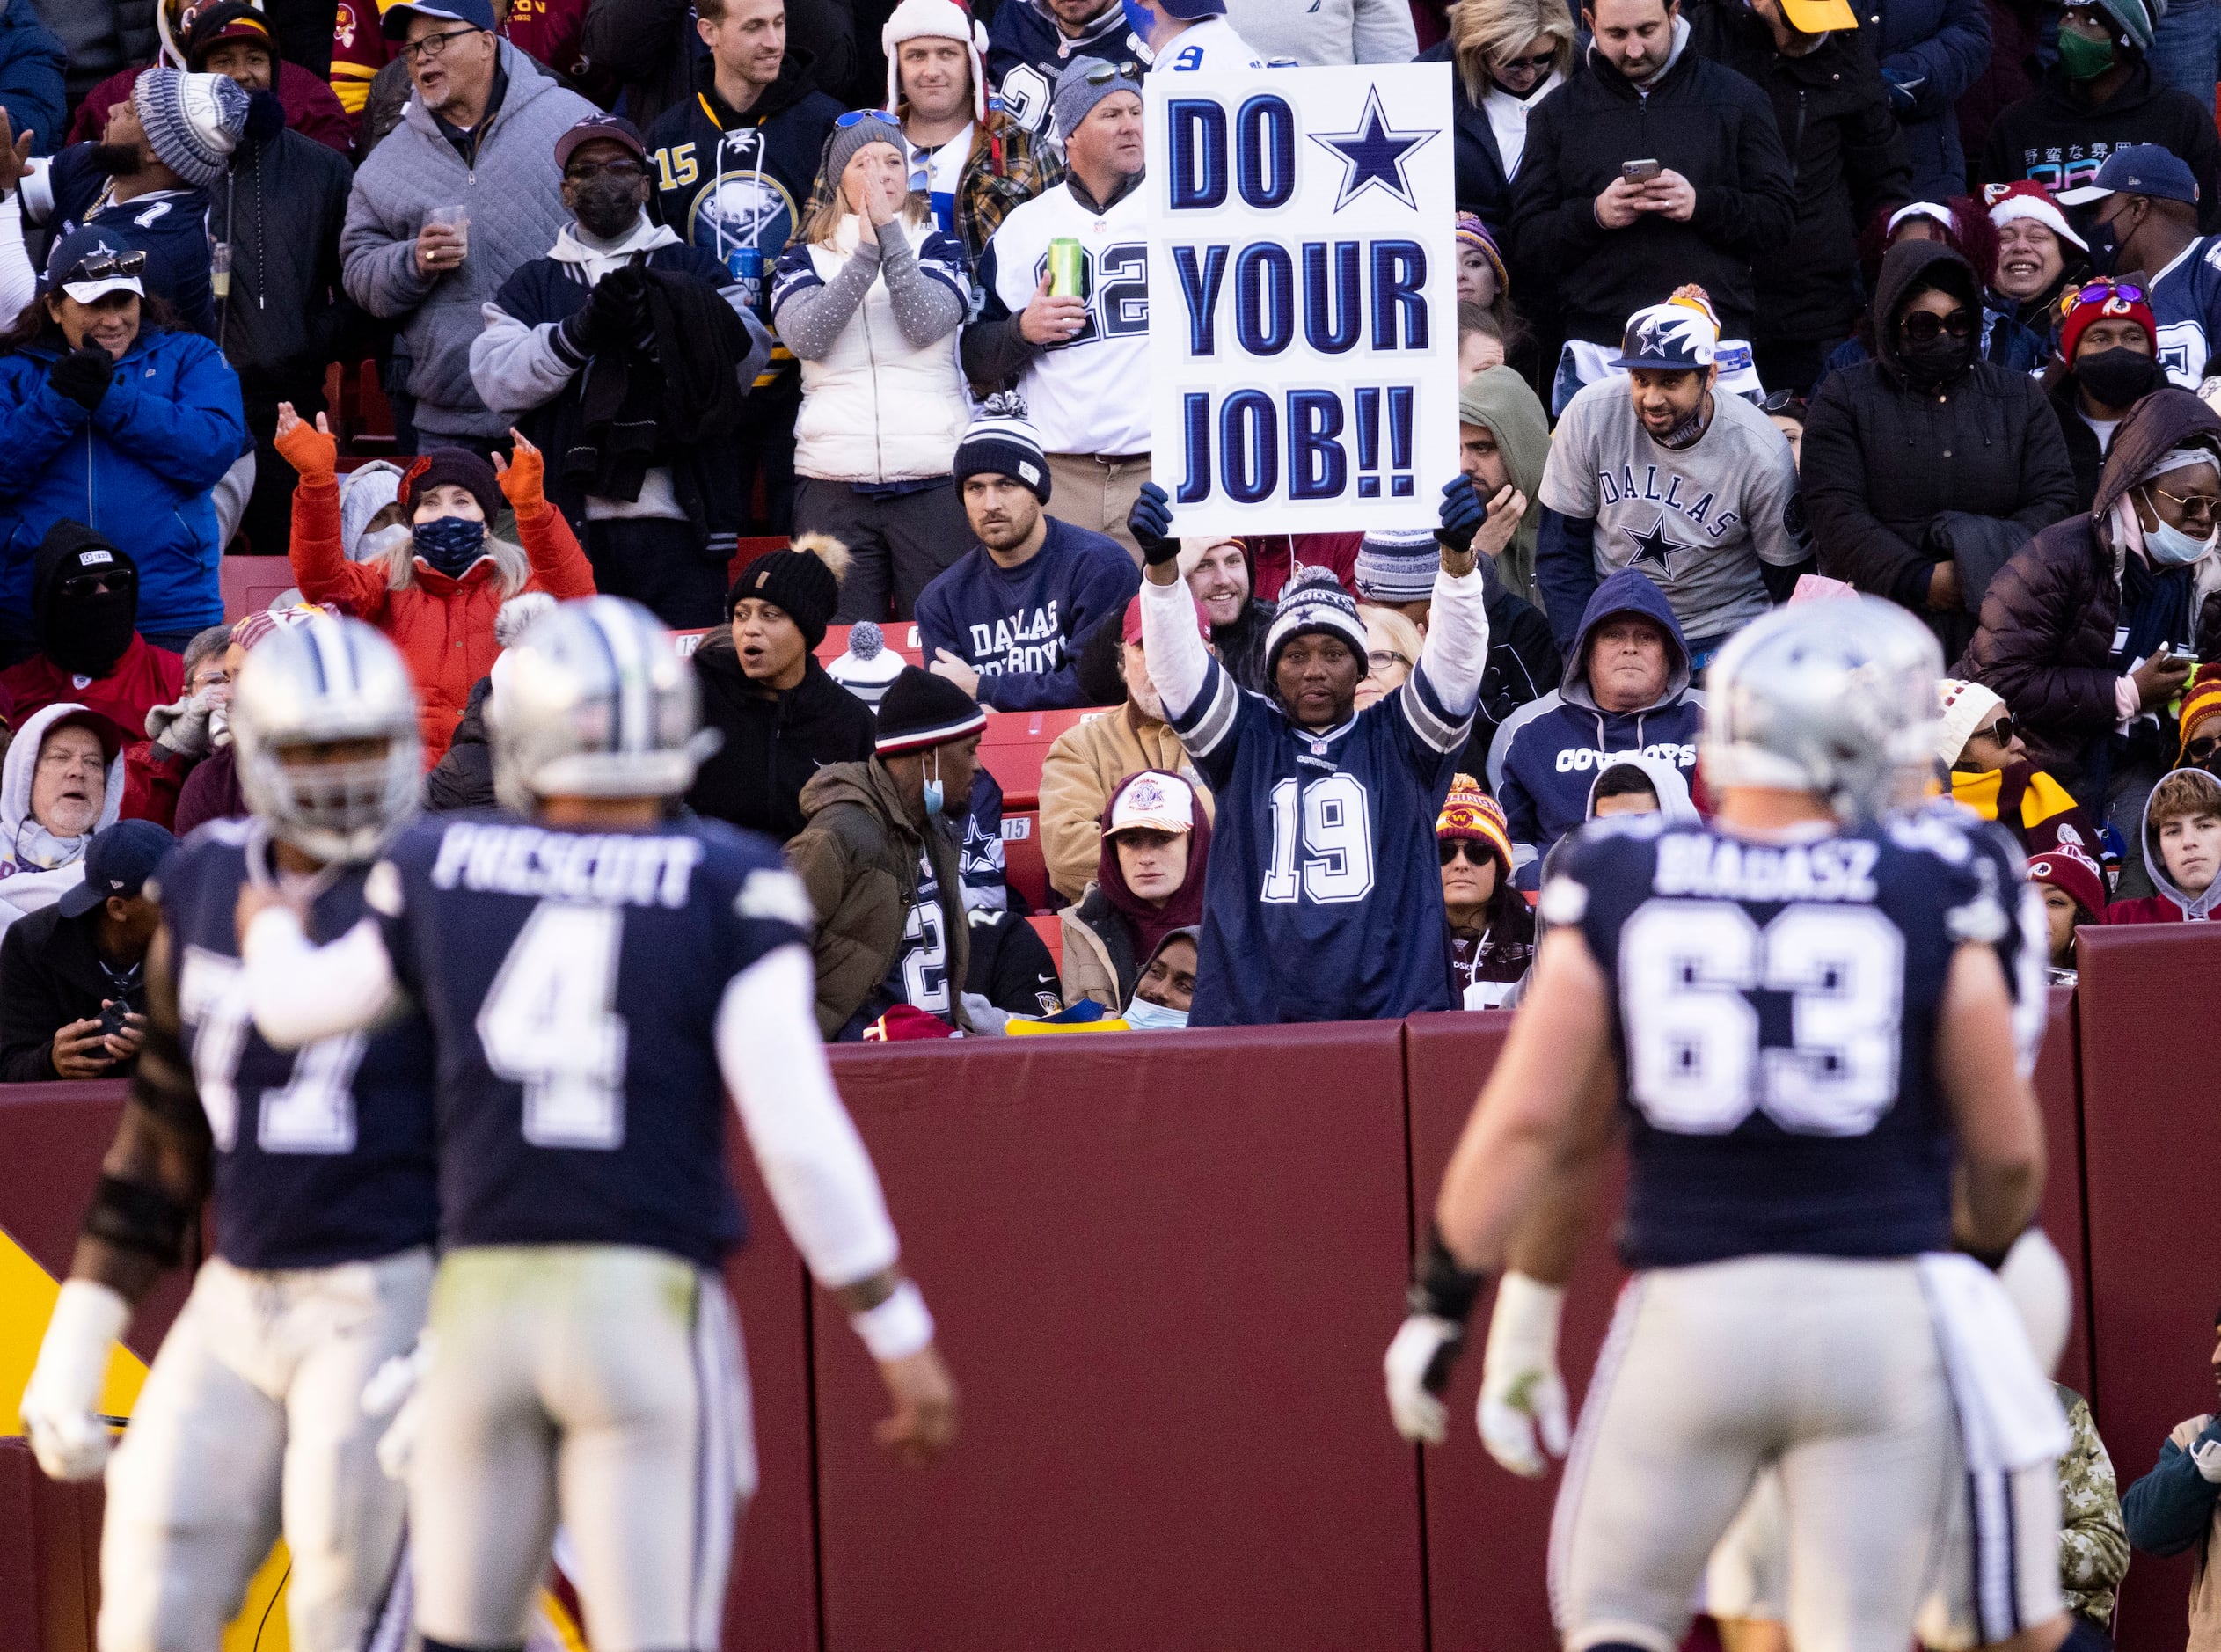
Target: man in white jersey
x=1081, y=360
x=1186, y=35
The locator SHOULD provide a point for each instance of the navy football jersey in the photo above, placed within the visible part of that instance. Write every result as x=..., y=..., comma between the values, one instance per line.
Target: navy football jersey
x=572, y=981
x=1774, y=1009
x=323, y=1154
x=1322, y=901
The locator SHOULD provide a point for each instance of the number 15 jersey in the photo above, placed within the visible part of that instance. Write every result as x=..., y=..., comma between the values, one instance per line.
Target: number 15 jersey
x=1775, y=1009
x=572, y=980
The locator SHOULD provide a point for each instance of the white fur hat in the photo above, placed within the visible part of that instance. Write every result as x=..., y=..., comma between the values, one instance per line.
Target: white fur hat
x=936, y=20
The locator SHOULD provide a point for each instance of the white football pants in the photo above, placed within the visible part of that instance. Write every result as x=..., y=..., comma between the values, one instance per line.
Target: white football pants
x=599, y=1384
x=251, y=1422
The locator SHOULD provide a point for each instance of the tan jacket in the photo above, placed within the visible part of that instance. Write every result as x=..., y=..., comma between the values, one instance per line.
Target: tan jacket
x=1078, y=777
x=1088, y=970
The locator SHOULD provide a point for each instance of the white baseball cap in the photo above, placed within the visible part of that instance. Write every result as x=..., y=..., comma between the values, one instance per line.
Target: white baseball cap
x=1153, y=802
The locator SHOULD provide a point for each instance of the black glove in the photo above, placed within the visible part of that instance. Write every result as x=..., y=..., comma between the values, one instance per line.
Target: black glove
x=606, y=322
x=83, y=376
x=1462, y=515
x=624, y=290
x=1150, y=522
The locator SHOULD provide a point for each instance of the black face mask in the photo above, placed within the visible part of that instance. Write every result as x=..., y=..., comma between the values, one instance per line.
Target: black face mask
x=606, y=208
x=114, y=160
x=2117, y=377
x=1935, y=360
x=87, y=635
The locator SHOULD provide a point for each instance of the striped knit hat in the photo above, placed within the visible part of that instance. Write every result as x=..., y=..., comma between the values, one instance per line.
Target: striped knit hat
x=1473, y=233
x=192, y=121
x=1313, y=601
x=1397, y=564
x=1470, y=813
x=921, y=710
x=2201, y=700
x=1002, y=441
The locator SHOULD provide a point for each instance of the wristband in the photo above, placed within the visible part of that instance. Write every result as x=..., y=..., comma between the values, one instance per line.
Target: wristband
x=1440, y=1285
x=897, y=1328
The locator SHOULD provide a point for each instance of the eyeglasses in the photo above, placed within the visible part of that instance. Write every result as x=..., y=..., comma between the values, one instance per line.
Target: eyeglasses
x=2001, y=731
x=103, y=265
x=423, y=51
x=1476, y=853
x=2199, y=750
x=624, y=168
x=856, y=117
x=2098, y=292
x=2206, y=505
x=1924, y=326
x=1534, y=65
x=1381, y=659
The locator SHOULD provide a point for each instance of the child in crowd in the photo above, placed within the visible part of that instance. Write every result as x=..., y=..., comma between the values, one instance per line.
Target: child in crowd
x=2073, y=894
x=2183, y=851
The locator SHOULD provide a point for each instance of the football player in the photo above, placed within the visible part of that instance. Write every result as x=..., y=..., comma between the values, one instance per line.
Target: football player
x=317, y=1167
x=598, y=969
x=1804, y=1014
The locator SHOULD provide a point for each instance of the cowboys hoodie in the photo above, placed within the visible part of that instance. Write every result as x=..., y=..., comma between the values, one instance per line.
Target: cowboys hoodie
x=1547, y=754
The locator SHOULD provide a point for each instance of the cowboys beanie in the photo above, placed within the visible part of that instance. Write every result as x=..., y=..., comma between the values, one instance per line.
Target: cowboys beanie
x=1313, y=601
x=1002, y=441
x=804, y=583
x=459, y=466
x=192, y=121
x=920, y=710
x=1398, y=566
x=1076, y=95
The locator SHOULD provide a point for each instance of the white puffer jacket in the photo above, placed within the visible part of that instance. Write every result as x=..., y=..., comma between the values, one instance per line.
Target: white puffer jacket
x=876, y=407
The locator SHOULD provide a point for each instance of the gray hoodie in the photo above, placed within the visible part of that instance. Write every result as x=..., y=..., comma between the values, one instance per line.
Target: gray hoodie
x=513, y=195
x=2196, y=908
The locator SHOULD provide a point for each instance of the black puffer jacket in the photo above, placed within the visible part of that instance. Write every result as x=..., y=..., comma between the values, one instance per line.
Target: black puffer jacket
x=2028, y=137
x=281, y=206
x=773, y=742
x=1847, y=158
x=1883, y=459
x=1699, y=119
x=2045, y=643
x=1482, y=188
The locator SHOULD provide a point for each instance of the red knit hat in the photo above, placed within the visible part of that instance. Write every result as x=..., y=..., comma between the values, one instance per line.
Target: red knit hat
x=2067, y=869
x=2100, y=298
x=1470, y=813
x=2200, y=701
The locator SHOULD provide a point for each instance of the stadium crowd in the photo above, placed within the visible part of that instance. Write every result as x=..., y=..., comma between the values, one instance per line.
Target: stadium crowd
x=1758, y=301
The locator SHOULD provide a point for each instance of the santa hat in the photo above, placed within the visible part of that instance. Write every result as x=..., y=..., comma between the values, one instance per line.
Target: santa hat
x=935, y=20
x=2028, y=199
x=1964, y=707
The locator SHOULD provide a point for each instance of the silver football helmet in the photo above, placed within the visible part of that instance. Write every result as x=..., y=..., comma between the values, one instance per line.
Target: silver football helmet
x=326, y=681
x=1836, y=697
x=594, y=701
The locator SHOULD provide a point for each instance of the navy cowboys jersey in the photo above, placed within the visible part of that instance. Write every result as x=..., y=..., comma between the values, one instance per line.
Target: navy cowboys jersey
x=1313, y=910
x=2186, y=301
x=572, y=981
x=323, y=1154
x=1026, y=51
x=1775, y=1011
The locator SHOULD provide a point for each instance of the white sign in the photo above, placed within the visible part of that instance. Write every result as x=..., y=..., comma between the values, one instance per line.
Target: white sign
x=1302, y=297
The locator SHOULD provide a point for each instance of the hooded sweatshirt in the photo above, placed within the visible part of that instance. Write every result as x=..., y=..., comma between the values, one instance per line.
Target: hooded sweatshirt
x=2172, y=905
x=1544, y=764
x=142, y=676
x=1500, y=399
x=36, y=866
x=1110, y=933
x=2028, y=137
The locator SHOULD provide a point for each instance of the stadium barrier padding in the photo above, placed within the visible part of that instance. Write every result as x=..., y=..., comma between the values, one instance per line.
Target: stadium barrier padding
x=1165, y=1269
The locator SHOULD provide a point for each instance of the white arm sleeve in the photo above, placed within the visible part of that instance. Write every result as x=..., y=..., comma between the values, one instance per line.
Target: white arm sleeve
x=1455, y=655
x=18, y=282
x=298, y=993
x=805, y=1143
x=38, y=190
x=1178, y=660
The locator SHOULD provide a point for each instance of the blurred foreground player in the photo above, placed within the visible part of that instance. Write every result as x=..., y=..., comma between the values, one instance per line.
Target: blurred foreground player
x=318, y=1163
x=597, y=969
x=1805, y=1016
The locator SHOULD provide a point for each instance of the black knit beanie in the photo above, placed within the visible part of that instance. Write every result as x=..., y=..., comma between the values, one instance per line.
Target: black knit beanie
x=467, y=470
x=804, y=581
x=920, y=710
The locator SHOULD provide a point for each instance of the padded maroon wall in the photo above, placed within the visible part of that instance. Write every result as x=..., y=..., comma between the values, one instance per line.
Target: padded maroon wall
x=1164, y=1288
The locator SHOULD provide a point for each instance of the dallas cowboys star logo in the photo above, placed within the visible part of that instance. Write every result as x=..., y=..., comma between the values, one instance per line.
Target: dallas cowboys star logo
x=1656, y=546
x=1373, y=154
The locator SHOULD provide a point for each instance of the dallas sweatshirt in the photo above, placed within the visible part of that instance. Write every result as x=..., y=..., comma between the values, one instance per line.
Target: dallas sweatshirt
x=1022, y=629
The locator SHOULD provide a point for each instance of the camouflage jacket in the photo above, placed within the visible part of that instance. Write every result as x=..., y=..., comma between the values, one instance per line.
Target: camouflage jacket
x=2093, y=1545
x=1009, y=166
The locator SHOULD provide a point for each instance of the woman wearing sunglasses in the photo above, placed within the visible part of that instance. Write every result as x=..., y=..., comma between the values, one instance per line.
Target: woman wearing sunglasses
x=1978, y=741
x=1492, y=930
x=1509, y=55
x=1924, y=469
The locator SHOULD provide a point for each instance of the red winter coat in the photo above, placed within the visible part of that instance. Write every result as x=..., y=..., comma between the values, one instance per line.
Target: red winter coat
x=443, y=626
x=145, y=677
x=311, y=107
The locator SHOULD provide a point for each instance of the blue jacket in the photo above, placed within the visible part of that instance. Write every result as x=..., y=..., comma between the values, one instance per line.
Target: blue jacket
x=138, y=469
x=1934, y=49
x=31, y=64
x=1023, y=630
x=1546, y=756
x=2171, y=1508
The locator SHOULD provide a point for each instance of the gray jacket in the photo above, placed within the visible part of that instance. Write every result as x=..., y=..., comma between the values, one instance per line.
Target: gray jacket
x=515, y=203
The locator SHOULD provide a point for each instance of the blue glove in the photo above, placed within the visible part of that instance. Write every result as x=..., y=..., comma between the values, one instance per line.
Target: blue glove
x=1462, y=515
x=1904, y=92
x=1150, y=522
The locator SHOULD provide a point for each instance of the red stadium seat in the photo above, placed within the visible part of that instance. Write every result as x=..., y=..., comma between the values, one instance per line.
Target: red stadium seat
x=249, y=584
x=746, y=551
x=1051, y=930
x=1017, y=743
x=1023, y=868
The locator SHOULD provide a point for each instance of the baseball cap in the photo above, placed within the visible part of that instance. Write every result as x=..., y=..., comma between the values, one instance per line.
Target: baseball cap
x=1131, y=630
x=1681, y=335
x=2138, y=169
x=477, y=13
x=118, y=861
x=603, y=128
x=91, y=261
x=1152, y=802
x=1817, y=17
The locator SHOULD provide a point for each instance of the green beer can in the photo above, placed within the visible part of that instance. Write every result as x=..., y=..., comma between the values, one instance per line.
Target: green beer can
x=1067, y=269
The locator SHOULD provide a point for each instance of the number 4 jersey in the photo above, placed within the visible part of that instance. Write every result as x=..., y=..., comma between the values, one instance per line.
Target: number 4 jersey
x=323, y=1154
x=573, y=981
x=1775, y=1011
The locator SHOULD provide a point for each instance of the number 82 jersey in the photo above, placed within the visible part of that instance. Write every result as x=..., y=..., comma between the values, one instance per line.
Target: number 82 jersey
x=1775, y=1009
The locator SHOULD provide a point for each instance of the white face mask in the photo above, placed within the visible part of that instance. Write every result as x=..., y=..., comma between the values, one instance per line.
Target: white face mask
x=1144, y=1017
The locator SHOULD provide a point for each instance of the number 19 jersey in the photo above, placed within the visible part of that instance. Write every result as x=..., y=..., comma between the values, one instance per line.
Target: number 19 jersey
x=572, y=980
x=1775, y=1009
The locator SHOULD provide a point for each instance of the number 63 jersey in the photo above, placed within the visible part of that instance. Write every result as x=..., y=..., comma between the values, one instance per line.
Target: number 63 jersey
x=1775, y=1009
x=572, y=981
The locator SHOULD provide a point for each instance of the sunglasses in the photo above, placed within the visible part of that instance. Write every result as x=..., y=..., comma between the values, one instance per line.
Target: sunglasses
x=1476, y=853
x=1924, y=326
x=856, y=117
x=2199, y=750
x=1103, y=74
x=2098, y=292
x=104, y=266
x=1783, y=401
x=1534, y=65
x=2205, y=505
x=623, y=168
x=2001, y=731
